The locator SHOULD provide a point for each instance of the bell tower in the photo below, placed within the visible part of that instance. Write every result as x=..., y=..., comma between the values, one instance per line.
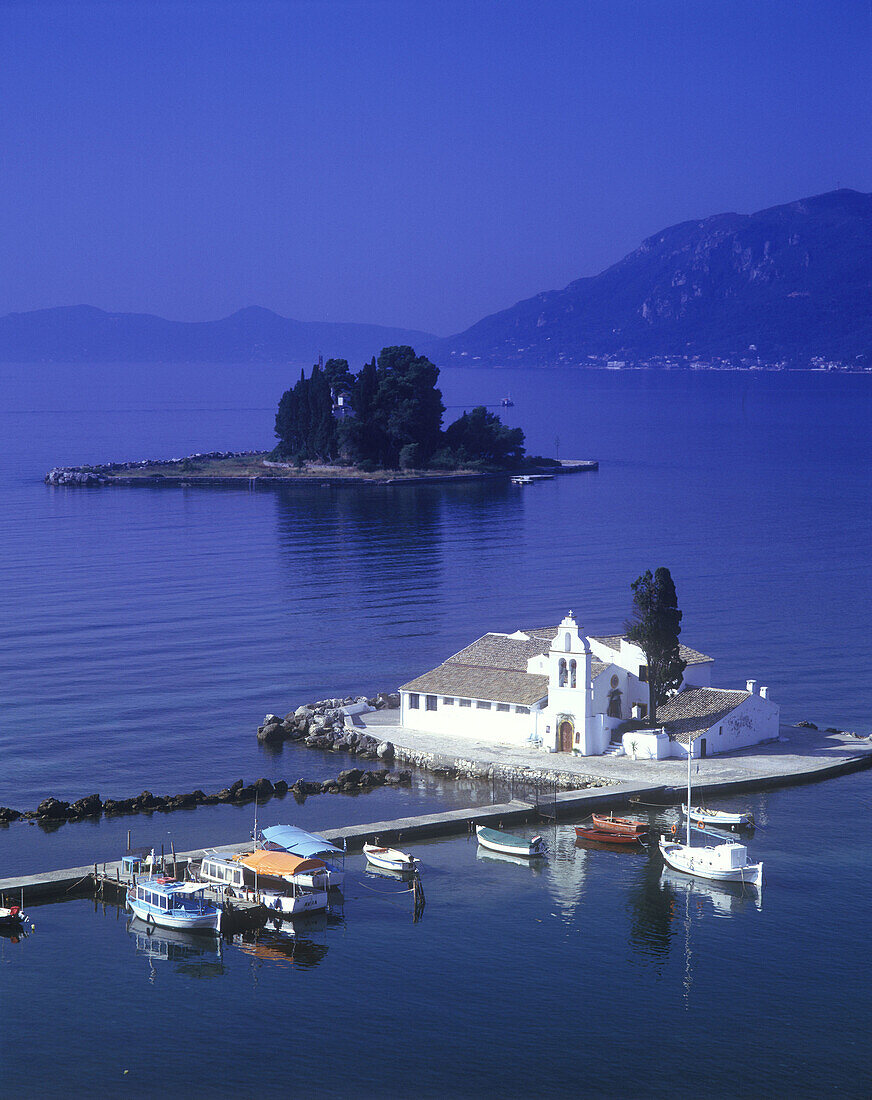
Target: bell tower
x=569, y=687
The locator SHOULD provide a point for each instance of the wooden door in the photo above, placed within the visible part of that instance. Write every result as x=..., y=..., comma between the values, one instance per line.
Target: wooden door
x=566, y=732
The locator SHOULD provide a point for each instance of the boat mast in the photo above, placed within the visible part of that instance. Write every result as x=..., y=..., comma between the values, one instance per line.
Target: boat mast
x=689, y=757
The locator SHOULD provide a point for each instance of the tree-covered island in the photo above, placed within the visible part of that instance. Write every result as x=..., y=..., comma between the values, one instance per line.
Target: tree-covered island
x=382, y=424
x=389, y=417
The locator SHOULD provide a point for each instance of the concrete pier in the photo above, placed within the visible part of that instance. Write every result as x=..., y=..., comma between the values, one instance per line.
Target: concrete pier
x=801, y=756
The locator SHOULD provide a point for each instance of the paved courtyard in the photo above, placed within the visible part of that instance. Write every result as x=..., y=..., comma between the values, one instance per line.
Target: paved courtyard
x=799, y=752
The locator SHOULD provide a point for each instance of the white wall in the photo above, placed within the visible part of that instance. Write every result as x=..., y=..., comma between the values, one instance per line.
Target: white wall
x=699, y=675
x=751, y=722
x=454, y=720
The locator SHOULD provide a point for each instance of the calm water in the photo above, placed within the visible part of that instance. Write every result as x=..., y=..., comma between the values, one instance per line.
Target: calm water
x=145, y=633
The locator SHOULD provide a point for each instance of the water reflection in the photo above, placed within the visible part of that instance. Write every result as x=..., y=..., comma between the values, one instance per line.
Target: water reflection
x=567, y=869
x=721, y=899
x=196, y=955
x=652, y=910
x=535, y=866
x=300, y=943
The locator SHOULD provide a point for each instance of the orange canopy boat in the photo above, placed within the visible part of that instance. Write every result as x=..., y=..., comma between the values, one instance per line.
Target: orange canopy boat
x=281, y=864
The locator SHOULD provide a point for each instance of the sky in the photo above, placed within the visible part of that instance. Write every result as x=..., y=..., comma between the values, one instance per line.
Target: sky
x=401, y=162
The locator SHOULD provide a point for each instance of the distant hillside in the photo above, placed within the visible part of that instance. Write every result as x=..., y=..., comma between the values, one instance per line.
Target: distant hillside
x=86, y=334
x=794, y=280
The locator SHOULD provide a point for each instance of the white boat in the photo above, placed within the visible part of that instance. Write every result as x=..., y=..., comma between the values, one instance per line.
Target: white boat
x=172, y=904
x=722, y=819
x=268, y=880
x=508, y=844
x=726, y=862
x=12, y=917
x=389, y=859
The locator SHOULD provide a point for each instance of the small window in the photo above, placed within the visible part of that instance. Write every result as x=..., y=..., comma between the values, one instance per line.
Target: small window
x=447, y=701
x=414, y=701
x=522, y=710
x=503, y=706
x=643, y=673
x=429, y=702
x=572, y=672
x=465, y=702
x=643, y=707
x=480, y=705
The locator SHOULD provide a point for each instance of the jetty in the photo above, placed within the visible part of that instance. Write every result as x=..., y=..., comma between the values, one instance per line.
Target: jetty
x=800, y=756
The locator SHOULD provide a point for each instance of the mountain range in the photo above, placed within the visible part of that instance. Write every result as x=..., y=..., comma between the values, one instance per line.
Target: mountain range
x=783, y=285
x=787, y=283
x=73, y=334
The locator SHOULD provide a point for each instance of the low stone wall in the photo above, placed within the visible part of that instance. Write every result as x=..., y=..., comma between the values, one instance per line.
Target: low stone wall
x=457, y=766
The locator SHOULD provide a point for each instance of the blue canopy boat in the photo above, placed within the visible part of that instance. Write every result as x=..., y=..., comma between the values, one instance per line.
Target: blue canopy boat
x=509, y=845
x=172, y=904
x=288, y=838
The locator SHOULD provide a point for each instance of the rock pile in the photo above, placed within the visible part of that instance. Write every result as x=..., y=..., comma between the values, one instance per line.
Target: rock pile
x=322, y=725
x=54, y=811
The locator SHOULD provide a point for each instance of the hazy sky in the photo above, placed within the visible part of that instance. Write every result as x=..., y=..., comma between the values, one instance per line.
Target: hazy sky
x=401, y=162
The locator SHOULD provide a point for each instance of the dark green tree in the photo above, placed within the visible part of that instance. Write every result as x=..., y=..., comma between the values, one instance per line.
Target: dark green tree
x=305, y=426
x=655, y=627
x=406, y=407
x=479, y=437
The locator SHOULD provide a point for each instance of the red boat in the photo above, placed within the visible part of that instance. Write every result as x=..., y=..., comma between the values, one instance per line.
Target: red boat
x=625, y=826
x=588, y=832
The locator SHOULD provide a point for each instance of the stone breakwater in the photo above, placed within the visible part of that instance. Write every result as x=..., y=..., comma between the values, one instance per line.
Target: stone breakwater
x=103, y=473
x=54, y=811
x=324, y=725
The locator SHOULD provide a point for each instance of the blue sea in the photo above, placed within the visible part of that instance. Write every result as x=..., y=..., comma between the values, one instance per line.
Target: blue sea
x=145, y=633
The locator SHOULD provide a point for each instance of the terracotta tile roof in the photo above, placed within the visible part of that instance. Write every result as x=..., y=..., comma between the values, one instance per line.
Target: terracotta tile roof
x=495, y=685
x=697, y=709
x=502, y=651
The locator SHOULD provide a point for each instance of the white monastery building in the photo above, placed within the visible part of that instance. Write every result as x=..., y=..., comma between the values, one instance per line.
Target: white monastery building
x=559, y=690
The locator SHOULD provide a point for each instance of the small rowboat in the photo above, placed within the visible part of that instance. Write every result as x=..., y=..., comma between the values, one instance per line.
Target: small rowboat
x=587, y=832
x=699, y=815
x=626, y=826
x=508, y=844
x=389, y=859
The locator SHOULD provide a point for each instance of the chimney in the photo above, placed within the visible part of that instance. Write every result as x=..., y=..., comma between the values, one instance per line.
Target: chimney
x=764, y=692
x=751, y=686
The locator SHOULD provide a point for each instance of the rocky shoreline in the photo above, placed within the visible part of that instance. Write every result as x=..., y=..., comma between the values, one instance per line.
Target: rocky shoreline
x=102, y=473
x=250, y=468
x=54, y=811
x=323, y=725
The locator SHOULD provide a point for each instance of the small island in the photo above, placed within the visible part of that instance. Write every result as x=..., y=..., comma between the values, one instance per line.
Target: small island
x=381, y=425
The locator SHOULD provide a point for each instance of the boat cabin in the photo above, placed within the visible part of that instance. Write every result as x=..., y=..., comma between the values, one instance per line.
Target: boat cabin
x=222, y=872
x=167, y=895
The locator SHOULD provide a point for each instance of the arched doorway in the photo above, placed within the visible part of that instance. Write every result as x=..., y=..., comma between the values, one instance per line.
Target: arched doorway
x=566, y=729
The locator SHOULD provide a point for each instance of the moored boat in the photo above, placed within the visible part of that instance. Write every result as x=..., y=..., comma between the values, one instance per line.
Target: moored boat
x=271, y=882
x=12, y=917
x=701, y=815
x=170, y=903
x=389, y=859
x=508, y=844
x=726, y=862
x=625, y=826
x=290, y=838
x=604, y=836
